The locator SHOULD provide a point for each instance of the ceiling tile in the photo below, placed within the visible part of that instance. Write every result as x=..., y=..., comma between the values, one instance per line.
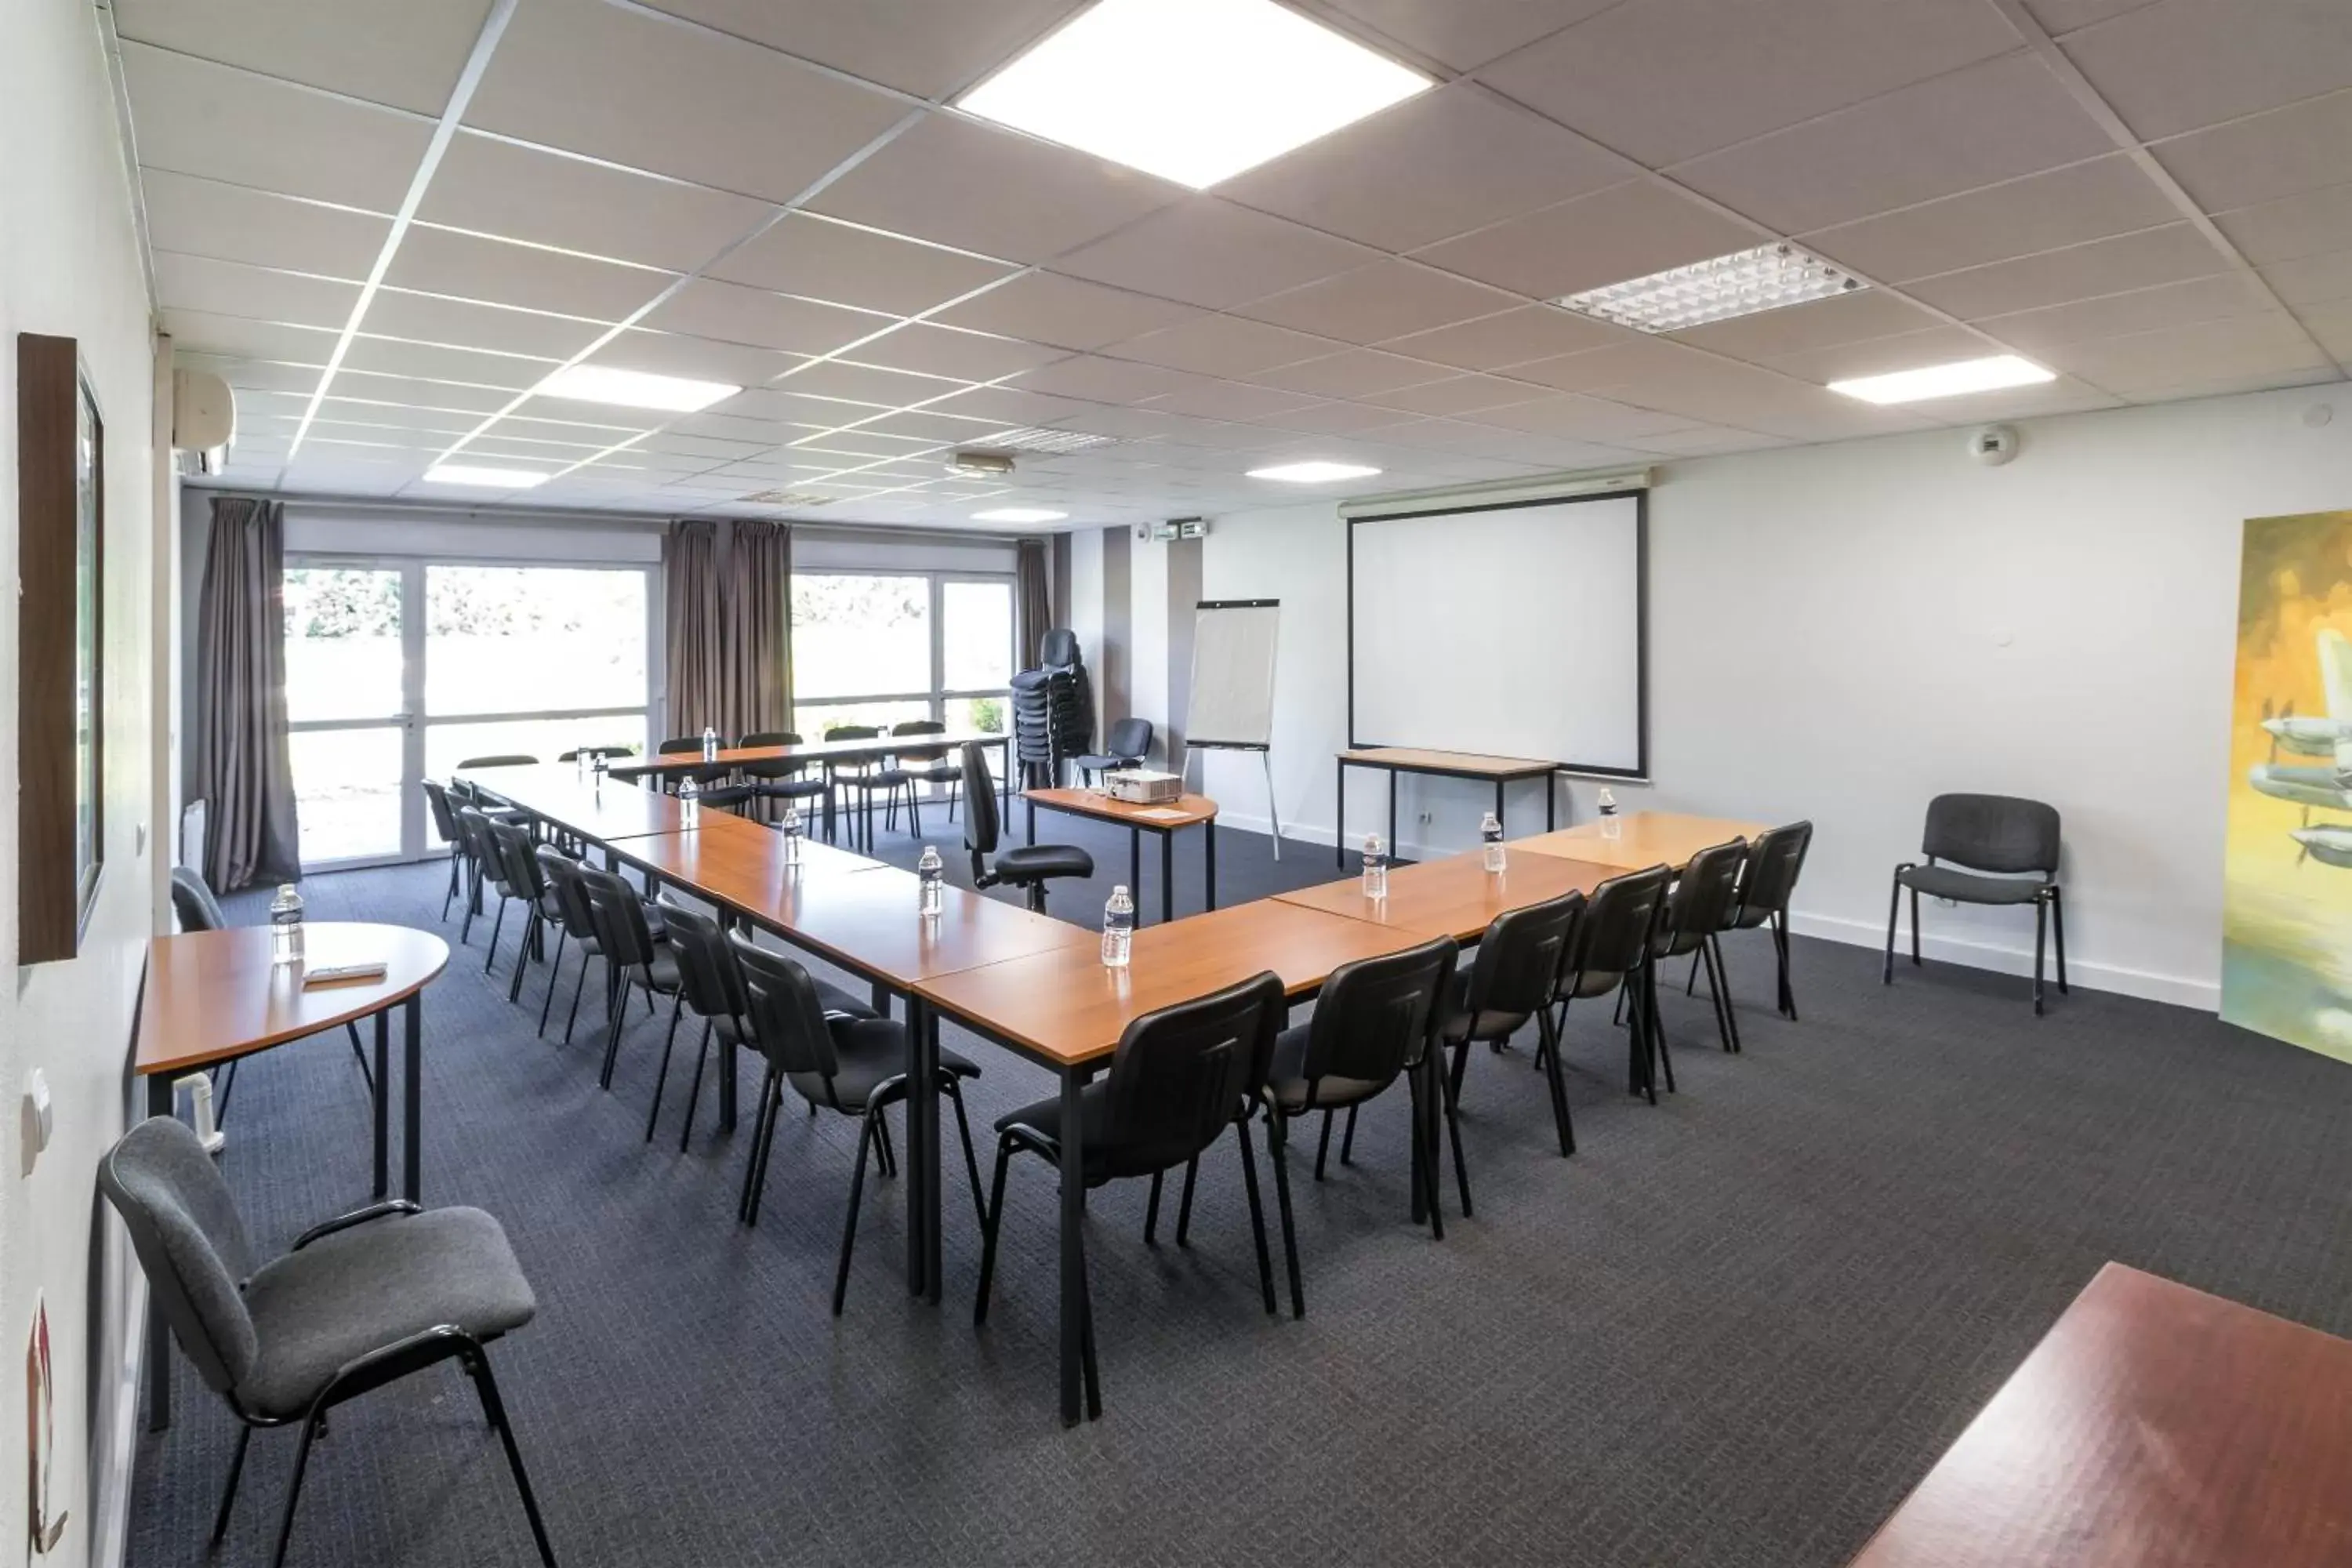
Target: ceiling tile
x=1490, y=342
x=728, y=312
x=1637, y=78
x=2059, y=17
x=962, y=183
x=200, y=332
x=778, y=407
x=1352, y=373
x=2064, y=395
x=731, y=427
x=2312, y=279
x=230, y=223
x=1437, y=164
x=928, y=48
x=931, y=425
x=1099, y=380
x=1386, y=300
x=1459, y=395
x=1992, y=122
x=472, y=266
x=1619, y=361
x=1210, y=399
x=2038, y=332
x=2291, y=227
x=868, y=384
x=1707, y=441
x=1341, y=418
x=2257, y=381
x=1583, y=419
x=953, y=351
x=1847, y=318
x=1009, y=404
x=2232, y=347
x=607, y=426
x=233, y=289
x=2186, y=63
x=1225, y=345
x=364, y=383
x=1935, y=344
x=1627, y=231
x=1467, y=34
x=1211, y=253
x=196, y=118
x=343, y=45
x=652, y=94
x=699, y=359
x=431, y=319
x=405, y=416
x=2283, y=153
x=442, y=362
x=1067, y=312
x=2166, y=255
x=2071, y=205
x=522, y=193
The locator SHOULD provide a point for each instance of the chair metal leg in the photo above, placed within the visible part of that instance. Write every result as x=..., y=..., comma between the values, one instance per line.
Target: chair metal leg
x=1719, y=990
x=1781, y=951
x=1151, y=1211
x=452, y=892
x=888, y=1161
x=225, y=1085
x=2058, y=930
x=495, y=1410
x=576, y=990
x=1257, y=1214
x=524, y=952
x=1184, y=1204
x=1915, y=928
x=310, y=1425
x=1657, y=1023
x=613, y=1033
x=1894, y=910
x=1091, y=1372
x=990, y=1219
x=1277, y=1144
x=661, y=1077
x=755, y=1185
x=1690, y=986
x=1559, y=1082
x=857, y=1190
x=762, y=1129
x=2040, y=938
x=1454, y=1131
x=228, y=1493
x=694, y=1091
x=1323, y=1146
x=554, y=975
x=498, y=925
x=1347, y=1138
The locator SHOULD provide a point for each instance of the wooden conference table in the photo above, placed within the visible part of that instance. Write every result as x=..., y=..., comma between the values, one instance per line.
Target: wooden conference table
x=213, y=996
x=1163, y=817
x=831, y=754
x=1395, y=760
x=2154, y=1426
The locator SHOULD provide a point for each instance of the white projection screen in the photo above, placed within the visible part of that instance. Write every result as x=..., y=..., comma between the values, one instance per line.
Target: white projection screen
x=1512, y=630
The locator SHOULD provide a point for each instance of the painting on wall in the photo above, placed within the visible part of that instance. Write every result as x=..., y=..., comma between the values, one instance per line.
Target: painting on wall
x=2286, y=920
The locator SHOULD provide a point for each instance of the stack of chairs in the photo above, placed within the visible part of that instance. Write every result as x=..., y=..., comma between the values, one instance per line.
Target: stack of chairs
x=1052, y=709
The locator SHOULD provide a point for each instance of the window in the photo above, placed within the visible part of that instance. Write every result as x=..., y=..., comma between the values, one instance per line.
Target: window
x=880, y=649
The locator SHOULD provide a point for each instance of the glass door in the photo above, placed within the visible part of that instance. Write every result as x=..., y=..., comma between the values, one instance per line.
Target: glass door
x=350, y=708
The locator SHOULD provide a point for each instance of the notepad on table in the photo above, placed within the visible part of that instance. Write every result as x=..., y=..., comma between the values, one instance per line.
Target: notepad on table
x=1159, y=814
x=342, y=975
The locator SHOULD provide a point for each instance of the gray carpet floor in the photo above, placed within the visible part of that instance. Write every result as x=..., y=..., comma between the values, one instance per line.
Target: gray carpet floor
x=1733, y=1329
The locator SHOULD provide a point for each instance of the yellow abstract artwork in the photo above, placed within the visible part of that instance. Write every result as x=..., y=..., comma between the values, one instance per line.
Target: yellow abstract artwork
x=2286, y=919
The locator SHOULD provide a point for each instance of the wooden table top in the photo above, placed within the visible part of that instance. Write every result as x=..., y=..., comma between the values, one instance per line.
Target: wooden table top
x=1065, y=1006
x=1644, y=838
x=734, y=861
x=616, y=809
x=212, y=995
x=1469, y=764
x=806, y=751
x=1456, y=897
x=869, y=924
x=2155, y=1427
x=1184, y=811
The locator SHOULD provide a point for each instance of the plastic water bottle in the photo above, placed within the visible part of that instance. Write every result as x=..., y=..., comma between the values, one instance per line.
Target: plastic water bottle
x=286, y=925
x=689, y=800
x=598, y=766
x=792, y=831
x=709, y=743
x=1118, y=928
x=934, y=875
x=1610, y=826
x=1376, y=869
x=1490, y=829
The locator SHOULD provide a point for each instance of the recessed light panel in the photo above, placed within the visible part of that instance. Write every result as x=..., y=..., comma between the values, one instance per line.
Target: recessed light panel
x=1192, y=90
x=1946, y=380
x=1019, y=514
x=1314, y=473
x=635, y=388
x=488, y=479
x=1745, y=283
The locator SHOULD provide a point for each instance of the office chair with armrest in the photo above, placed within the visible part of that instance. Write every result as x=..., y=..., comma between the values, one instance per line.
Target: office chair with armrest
x=1028, y=867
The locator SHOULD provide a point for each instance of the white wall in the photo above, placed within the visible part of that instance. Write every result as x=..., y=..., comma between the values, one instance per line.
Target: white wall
x=1148, y=637
x=69, y=266
x=1840, y=632
x=1084, y=613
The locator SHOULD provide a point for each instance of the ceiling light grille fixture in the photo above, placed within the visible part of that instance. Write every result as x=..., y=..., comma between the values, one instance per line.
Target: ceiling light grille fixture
x=1745, y=283
x=785, y=498
x=1030, y=439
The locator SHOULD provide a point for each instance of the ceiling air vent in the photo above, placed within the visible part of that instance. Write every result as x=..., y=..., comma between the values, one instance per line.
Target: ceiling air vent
x=785, y=498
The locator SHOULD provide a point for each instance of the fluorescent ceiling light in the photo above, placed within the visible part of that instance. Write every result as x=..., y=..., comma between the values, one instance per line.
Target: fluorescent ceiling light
x=1191, y=91
x=1946, y=380
x=1019, y=514
x=488, y=479
x=1315, y=473
x=1745, y=283
x=635, y=388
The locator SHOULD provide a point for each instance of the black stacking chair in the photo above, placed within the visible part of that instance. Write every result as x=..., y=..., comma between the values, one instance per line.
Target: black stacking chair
x=444, y=827
x=691, y=745
x=1775, y=860
x=1180, y=1078
x=783, y=781
x=503, y=759
x=356, y=1303
x=860, y=778
x=193, y=902
x=855, y=1066
x=512, y=873
x=635, y=961
x=1028, y=867
x=1129, y=742
x=1698, y=907
x=2000, y=849
x=1511, y=980
x=1611, y=953
x=490, y=871
x=526, y=881
x=575, y=921
x=926, y=765
x=1372, y=1025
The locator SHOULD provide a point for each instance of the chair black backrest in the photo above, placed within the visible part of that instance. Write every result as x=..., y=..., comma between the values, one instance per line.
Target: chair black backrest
x=679, y=745
x=193, y=902
x=506, y=760
x=191, y=1242
x=619, y=918
x=706, y=962
x=980, y=825
x=1618, y=921
x=474, y=831
x=1992, y=833
x=920, y=727
x=1058, y=649
x=444, y=822
x=1521, y=957
x=1703, y=899
x=780, y=1004
x=1183, y=1073
x=1130, y=738
x=769, y=738
x=1375, y=1014
x=1775, y=858
x=852, y=733
x=854, y=768
x=776, y=770
x=562, y=874
x=513, y=842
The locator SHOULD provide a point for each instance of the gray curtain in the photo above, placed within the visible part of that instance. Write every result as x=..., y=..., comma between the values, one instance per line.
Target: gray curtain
x=694, y=617
x=1034, y=600
x=243, y=763
x=759, y=642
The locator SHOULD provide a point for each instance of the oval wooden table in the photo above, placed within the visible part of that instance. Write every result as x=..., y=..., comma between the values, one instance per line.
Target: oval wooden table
x=213, y=996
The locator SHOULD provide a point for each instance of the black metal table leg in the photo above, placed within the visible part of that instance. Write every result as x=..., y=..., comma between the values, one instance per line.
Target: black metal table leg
x=1393, y=816
x=729, y=1066
x=1167, y=877
x=1135, y=865
x=1208, y=857
x=1033, y=820
x=1074, y=1211
x=1499, y=803
x=159, y=1333
x=1339, y=817
x=412, y=1098
x=382, y=1111
x=924, y=1024
x=1551, y=803
x=922, y=1150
